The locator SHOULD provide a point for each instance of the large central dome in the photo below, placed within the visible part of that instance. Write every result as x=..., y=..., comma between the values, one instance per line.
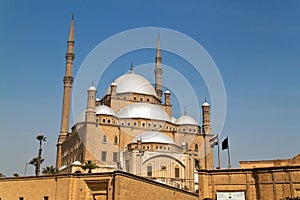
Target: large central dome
x=133, y=83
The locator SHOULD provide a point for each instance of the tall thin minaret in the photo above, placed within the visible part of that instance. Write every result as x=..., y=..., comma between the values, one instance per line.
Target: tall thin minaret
x=68, y=80
x=158, y=70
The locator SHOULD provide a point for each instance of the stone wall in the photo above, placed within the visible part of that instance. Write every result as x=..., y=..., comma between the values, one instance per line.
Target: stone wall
x=101, y=186
x=258, y=183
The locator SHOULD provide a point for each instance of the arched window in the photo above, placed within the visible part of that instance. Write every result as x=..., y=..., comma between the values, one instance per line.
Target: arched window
x=196, y=147
x=176, y=171
x=116, y=140
x=149, y=170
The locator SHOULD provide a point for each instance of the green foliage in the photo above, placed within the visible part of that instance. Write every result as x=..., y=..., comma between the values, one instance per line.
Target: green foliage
x=89, y=165
x=34, y=161
x=49, y=170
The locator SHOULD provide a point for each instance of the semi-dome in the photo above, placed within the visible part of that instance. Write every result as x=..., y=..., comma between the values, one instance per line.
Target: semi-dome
x=153, y=137
x=133, y=83
x=143, y=110
x=186, y=119
x=104, y=110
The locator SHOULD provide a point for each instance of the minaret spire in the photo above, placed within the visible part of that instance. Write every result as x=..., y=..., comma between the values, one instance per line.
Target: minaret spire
x=158, y=70
x=68, y=81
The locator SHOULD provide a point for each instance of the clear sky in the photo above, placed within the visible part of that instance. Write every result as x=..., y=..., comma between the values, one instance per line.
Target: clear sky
x=255, y=45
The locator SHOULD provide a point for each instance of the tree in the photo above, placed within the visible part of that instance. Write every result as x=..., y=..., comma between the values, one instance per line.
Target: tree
x=16, y=175
x=41, y=139
x=2, y=175
x=34, y=162
x=49, y=170
x=89, y=165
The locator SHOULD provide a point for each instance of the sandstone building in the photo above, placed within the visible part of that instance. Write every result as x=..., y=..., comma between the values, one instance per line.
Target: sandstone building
x=132, y=128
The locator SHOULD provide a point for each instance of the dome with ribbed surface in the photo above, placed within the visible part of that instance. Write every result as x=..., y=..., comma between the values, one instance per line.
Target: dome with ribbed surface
x=143, y=110
x=133, y=83
x=104, y=110
x=186, y=119
x=153, y=137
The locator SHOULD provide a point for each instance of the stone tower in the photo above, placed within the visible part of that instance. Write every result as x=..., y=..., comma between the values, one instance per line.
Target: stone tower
x=158, y=71
x=68, y=80
x=206, y=127
x=91, y=105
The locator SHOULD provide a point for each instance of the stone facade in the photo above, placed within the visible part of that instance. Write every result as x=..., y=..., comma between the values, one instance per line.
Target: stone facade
x=266, y=183
x=100, y=186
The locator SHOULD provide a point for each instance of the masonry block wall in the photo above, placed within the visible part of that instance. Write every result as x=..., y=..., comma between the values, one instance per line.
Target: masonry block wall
x=258, y=183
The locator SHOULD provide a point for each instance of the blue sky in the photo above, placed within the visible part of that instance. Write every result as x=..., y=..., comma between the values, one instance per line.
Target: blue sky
x=255, y=45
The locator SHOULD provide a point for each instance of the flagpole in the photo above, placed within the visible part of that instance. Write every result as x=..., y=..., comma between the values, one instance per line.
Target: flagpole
x=229, y=165
x=219, y=166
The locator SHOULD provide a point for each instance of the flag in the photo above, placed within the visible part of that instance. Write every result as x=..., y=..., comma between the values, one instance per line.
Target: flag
x=225, y=144
x=214, y=141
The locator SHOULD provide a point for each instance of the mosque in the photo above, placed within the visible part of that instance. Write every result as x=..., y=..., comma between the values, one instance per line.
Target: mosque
x=132, y=129
x=142, y=152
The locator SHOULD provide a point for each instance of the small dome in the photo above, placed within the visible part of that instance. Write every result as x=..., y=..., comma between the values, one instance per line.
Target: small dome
x=113, y=84
x=92, y=88
x=153, y=137
x=104, y=110
x=205, y=104
x=167, y=92
x=98, y=99
x=133, y=83
x=186, y=119
x=76, y=163
x=143, y=110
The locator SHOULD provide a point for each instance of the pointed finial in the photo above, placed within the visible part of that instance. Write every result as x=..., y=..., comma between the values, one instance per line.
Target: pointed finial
x=205, y=103
x=131, y=67
x=184, y=110
x=158, y=54
x=92, y=83
x=71, y=35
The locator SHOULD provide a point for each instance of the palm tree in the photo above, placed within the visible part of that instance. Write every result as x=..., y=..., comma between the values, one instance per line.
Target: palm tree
x=49, y=170
x=40, y=138
x=89, y=165
x=34, y=162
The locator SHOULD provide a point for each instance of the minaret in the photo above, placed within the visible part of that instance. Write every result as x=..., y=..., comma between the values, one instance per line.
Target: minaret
x=206, y=128
x=68, y=80
x=91, y=105
x=158, y=71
